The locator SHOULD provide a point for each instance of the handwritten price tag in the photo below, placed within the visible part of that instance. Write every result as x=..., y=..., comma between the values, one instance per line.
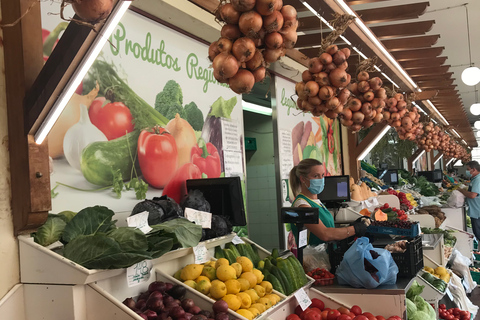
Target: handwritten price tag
x=138, y=273
x=201, y=253
x=302, y=238
x=302, y=299
x=201, y=218
x=237, y=240
x=139, y=221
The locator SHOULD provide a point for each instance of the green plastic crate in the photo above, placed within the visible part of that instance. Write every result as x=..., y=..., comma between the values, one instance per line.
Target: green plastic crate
x=475, y=276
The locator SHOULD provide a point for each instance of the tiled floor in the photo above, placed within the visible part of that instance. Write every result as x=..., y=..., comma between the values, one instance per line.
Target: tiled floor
x=475, y=298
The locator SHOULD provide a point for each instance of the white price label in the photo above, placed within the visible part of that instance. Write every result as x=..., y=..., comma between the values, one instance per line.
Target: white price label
x=237, y=240
x=139, y=221
x=138, y=273
x=201, y=218
x=302, y=238
x=302, y=299
x=201, y=253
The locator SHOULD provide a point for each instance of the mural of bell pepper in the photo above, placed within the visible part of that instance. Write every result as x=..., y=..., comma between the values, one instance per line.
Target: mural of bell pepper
x=177, y=186
x=205, y=156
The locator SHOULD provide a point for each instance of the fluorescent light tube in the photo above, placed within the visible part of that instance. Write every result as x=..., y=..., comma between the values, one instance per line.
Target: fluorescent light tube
x=456, y=133
x=436, y=110
x=418, y=157
x=373, y=143
x=418, y=107
x=255, y=108
x=441, y=156
x=458, y=163
x=396, y=85
x=82, y=69
x=449, y=161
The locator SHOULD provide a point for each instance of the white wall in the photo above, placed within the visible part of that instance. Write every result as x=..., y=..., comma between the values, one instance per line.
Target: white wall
x=9, y=265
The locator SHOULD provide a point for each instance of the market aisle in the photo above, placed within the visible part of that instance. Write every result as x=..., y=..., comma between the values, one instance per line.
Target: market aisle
x=475, y=298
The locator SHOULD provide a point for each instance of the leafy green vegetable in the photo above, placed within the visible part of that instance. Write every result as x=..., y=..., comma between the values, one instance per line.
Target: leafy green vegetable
x=411, y=307
x=419, y=315
x=424, y=307
x=129, y=239
x=91, y=220
x=51, y=230
x=426, y=188
x=414, y=290
x=222, y=108
x=186, y=233
x=194, y=116
x=170, y=101
x=67, y=215
x=158, y=246
x=118, y=183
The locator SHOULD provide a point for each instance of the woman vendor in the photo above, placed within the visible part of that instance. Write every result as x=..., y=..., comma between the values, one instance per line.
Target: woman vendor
x=307, y=181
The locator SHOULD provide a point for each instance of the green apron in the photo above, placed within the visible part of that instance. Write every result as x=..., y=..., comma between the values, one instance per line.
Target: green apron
x=323, y=214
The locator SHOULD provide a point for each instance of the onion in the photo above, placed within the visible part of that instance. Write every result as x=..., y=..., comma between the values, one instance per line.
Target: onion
x=375, y=83
x=311, y=88
x=272, y=55
x=259, y=38
x=333, y=103
x=331, y=49
x=307, y=76
x=243, y=5
x=354, y=104
x=369, y=96
x=363, y=86
x=329, y=67
x=259, y=74
x=290, y=38
x=353, y=87
x=375, y=103
x=399, y=96
x=396, y=124
x=344, y=66
x=402, y=113
x=346, y=114
x=224, y=45
x=316, y=101
x=326, y=92
x=366, y=108
x=226, y=65
x=395, y=116
x=344, y=95
x=346, y=52
x=242, y=82
x=393, y=109
x=289, y=12
x=273, y=22
x=331, y=114
x=218, y=77
x=358, y=117
x=228, y=14
x=213, y=50
x=363, y=76
x=322, y=79
x=345, y=122
x=338, y=78
x=391, y=103
x=356, y=127
x=307, y=106
x=185, y=138
x=401, y=105
x=265, y=7
x=230, y=31
x=300, y=103
x=93, y=11
x=413, y=116
x=243, y=49
x=378, y=118
x=314, y=65
x=255, y=62
x=299, y=87
x=273, y=40
x=339, y=108
x=325, y=58
x=339, y=58
x=381, y=94
x=250, y=23
x=370, y=115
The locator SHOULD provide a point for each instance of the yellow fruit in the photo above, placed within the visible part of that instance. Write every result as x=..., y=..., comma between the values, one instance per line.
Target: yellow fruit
x=209, y=272
x=246, y=263
x=210, y=263
x=221, y=262
x=177, y=275
x=272, y=297
x=233, y=301
x=259, y=290
x=441, y=271
x=191, y=283
x=246, y=299
x=267, y=285
x=266, y=302
x=244, y=283
x=200, y=278
x=238, y=268
x=254, y=311
x=251, y=277
x=247, y=314
x=259, y=275
x=445, y=277
x=191, y=271
x=233, y=286
x=428, y=269
x=225, y=273
x=259, y=306
x=218, y=289
x=204, y=286
x=253, y=295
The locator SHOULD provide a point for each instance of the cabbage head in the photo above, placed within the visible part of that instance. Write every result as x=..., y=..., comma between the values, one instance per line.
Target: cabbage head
x=411, y=308
x=420, y=315
x=425, y=307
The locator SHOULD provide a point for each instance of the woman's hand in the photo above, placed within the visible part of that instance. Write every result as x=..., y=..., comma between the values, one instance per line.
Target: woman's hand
x=360, y=225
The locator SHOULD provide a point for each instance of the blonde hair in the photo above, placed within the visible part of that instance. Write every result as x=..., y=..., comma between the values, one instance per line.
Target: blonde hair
x=303, y=168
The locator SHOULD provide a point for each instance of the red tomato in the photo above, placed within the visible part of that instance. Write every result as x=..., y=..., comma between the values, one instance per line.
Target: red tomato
x=298, y=310
x=369, y=316
x=394, y=318
x=314, y=309
x=293, y=316
x=157, y=155
x=356, y=310
x=344, y=317
x=343, y=310
x=381, y=318
x=360, y=317
x=325, y=314
x=317, y=303
x=312, y=315
x=113, y=119
x=333, y=314
x=442, y=306
x=304, y=313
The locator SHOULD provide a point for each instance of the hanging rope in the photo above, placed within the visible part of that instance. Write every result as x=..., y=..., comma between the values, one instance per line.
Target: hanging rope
x=340, y=23
x=367, y=65
x=14, y=23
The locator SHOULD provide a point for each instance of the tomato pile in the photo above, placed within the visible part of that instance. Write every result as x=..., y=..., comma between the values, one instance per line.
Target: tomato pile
x=402, y=196
x=400, y=213
x=452, y=313
x=317, y=311
x=322, y=276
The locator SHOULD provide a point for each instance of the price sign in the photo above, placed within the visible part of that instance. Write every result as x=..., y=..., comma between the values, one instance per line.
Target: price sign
x=139, y=221
x=237, y=240
x=201, y=218
x=201, y=253
x=302, y=299
x=302, y=238
x=138, y=273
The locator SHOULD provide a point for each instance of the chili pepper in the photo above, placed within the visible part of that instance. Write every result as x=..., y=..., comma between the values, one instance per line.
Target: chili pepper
x=205, y=156
x=176, y=188
x=331, y=141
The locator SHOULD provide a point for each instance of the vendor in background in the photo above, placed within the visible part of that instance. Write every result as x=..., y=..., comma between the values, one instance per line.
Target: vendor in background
x=472, y=196
x=307, y=181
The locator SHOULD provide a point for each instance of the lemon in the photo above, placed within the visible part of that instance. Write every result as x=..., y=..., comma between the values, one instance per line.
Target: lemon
x=204, y=286
x=272, y=298
x=253, y=295
x=251, y=277
x=244, y=283
x=238, y=268
x=233, y=301
x=259, y=290
x=267, y=285
x=221, y=262
x=225, y=273
x=209, y=272
x=246, y=299
x=233, y=286
x=441, y=271
x=200, y=278
x=247, y=314
x=191, y=283
x=246, y=263
x=259, y=275
x=254, y=311
x=218, y=289
x=191, y=271
x=210, y=263
x=177, y=275
x=266, y=302
x=259, y=306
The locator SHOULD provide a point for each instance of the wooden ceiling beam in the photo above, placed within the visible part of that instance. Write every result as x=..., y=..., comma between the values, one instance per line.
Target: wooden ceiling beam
x=312, y=23
x=438, y=87
x=428, y=71
x=296, y=4
x=403, y=29
x=421, y=63
x=441, y=82
x=310, y=40
x=417, y=54
x=393, y=13
x=410, y=43
x=357, y=2
x=447, y=75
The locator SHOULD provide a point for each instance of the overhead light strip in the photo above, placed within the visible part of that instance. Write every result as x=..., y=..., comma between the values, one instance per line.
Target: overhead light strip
x=396, y=85
x=418, y=107
x=373, y=143
x=255, y=108
x=438, y=112
x=418, y=157
x=441, y=156
x=449, y=161
x=456, y=133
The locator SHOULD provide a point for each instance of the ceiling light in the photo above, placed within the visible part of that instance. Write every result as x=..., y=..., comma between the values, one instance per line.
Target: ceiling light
x=458, y=163
x=478, y=134
x=456, y=133
x=475, y=109
x=471, y=76
x=449, y=161
x=82, y=69
x=477, y=125
x=418, y=107
x=441, y=156
x=373, y=143
x=418, y=157
x=255, y=108
x=436, y=110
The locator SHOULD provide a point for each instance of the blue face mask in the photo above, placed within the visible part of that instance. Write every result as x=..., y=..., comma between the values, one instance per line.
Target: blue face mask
x=316, y=185
x=469, y=175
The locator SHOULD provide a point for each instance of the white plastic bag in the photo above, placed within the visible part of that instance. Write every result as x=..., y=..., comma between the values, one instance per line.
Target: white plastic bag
x=460, y=264
x=459, y=296
x=430, y=201
x=456, y=199
x=315, y=257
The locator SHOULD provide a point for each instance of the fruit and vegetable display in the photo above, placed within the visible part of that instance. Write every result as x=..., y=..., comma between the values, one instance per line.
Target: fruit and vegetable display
x=437, y=283
x=386, y=213
x=439, y=272
x=318, y=311
x=254, y=34
x=435, y=211
x=360, y=192
x=452, y=313
x=91, y=239
x=417, y=307
x=449, y=239
x=241, y=286
x=322, y=276
x=164, y=300
x=407, y=201
x=399, y=224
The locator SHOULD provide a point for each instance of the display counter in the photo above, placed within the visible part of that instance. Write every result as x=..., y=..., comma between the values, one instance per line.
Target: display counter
x=455, y=217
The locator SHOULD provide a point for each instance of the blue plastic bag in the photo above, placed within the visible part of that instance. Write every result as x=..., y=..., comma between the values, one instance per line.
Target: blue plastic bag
x=364, y=266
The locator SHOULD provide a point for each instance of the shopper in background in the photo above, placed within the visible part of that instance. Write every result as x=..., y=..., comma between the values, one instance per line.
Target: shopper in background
x=472, y=196
x=307, y=181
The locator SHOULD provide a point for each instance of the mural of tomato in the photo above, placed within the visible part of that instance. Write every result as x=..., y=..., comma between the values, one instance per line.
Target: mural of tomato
x=113, y=119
